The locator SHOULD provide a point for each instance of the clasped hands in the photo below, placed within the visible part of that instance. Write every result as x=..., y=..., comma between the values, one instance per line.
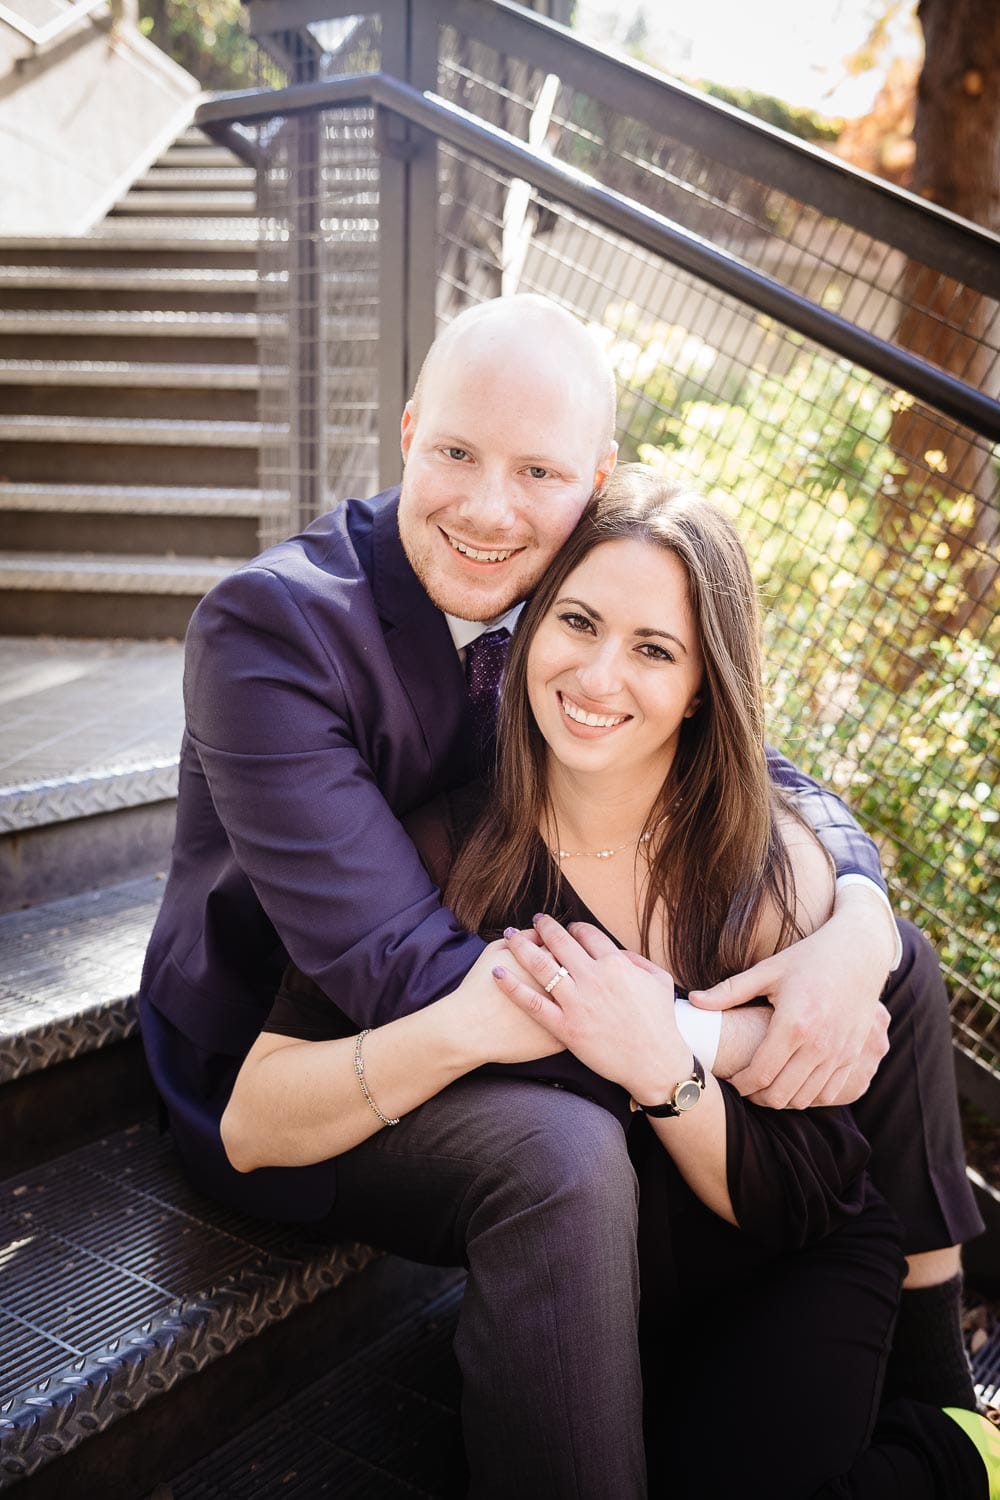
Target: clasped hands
x=824, y=1041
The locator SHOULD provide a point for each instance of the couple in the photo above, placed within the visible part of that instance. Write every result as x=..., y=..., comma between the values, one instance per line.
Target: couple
x=325, y=702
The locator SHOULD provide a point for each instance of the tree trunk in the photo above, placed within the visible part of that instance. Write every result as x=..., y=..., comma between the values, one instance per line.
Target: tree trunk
x=957, y=166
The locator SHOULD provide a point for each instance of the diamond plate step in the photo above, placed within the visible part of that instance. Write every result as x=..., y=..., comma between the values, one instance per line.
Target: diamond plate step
x=69, y=972
x=86, y=728
x=120, y=1284
x=382, y=1425
x=140, y=500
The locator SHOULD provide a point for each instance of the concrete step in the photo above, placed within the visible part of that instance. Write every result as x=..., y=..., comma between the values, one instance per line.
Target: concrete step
x=170, y=228
x=123, y=374
x=186, y=204
x=135, y=433
x=189, y=337
x=89, y=740
x=206, y=156
x=134, y=389
x=202, y=178
x=220, y=325
x=104, y=595
x=195, y=249
x=110, y=450
x=123, y=279
x=72, y=289
x=138, y=500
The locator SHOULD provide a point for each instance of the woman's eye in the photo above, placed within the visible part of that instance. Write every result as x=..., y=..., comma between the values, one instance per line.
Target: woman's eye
x=656, y=653
x=576, y=622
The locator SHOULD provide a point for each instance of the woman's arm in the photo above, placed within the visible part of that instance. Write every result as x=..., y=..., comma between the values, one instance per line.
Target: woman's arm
x=785, y=1180
x=297, y=1102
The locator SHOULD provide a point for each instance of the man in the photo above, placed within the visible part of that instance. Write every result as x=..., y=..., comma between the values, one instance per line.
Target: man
x=325, y=700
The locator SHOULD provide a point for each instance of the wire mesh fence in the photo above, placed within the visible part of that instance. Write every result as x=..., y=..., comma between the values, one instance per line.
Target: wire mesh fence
x=872, y=521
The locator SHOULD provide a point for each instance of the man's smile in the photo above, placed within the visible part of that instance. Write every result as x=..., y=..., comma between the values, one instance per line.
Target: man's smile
x=480, y=554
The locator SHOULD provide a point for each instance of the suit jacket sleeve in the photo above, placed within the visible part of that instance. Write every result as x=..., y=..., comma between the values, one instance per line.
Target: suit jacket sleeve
x=278, y=733
x=852, y=851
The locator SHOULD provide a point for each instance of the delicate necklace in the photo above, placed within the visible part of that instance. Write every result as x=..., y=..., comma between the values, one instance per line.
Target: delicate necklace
x=643, y=838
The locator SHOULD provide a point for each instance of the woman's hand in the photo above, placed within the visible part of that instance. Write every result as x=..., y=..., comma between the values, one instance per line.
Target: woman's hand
x=496, y=1030
x=612, y=1009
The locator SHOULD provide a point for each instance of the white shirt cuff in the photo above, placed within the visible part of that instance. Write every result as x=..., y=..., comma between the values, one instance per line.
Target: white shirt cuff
x=701, y=1030
x=858, y=879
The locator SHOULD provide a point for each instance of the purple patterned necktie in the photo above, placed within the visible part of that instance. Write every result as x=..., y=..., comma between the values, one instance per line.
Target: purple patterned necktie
x=485, y=659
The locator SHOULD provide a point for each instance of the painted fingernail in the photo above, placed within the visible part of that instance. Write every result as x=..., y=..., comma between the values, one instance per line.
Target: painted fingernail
x=499, y=973
x=510, y=932
x=538, y=916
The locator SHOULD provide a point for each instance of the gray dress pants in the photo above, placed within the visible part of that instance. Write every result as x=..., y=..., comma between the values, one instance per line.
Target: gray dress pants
x=531, y=1189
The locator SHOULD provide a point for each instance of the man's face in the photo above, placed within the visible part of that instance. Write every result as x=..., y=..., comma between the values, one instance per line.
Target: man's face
x=501, y=459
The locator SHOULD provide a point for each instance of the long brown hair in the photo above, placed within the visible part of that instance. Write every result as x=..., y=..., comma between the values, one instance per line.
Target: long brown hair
x=714, y=850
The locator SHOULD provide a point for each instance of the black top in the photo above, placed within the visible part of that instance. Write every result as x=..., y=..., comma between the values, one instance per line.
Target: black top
x=793, y=1175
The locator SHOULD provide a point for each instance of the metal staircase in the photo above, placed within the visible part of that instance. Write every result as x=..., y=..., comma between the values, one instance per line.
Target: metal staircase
x=129, y=426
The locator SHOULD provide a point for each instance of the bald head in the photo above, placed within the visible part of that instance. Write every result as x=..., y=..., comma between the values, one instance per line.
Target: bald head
x=541, y=338
x=508, y=434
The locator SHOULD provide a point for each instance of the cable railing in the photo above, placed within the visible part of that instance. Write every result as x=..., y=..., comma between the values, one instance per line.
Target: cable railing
x=857, y=453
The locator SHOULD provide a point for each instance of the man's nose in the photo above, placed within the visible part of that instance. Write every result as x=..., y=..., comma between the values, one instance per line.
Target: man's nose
x=488, y=504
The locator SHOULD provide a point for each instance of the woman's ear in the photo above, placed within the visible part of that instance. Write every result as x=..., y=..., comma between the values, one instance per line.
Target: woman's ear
x=693, y=706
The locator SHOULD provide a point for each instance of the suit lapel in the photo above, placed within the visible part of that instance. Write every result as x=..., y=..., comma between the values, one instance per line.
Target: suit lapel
x=419, y=641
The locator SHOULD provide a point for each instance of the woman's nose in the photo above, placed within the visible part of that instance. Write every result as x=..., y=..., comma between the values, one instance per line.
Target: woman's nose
x=600, y=674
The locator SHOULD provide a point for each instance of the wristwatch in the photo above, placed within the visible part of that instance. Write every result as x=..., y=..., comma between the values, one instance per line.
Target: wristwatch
x=684, y=1097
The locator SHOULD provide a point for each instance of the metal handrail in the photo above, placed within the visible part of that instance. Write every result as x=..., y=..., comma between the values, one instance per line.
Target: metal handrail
x=644, y=226
x=968, y=252
x=41, y=37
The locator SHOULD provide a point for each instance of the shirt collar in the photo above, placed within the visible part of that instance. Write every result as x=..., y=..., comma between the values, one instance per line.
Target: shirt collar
x=464, y=632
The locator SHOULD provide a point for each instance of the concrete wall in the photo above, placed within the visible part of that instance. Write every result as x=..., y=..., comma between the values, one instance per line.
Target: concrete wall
x=81, y=120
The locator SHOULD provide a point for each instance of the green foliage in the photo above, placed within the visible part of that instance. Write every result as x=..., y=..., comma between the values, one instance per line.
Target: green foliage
x=207, y=37
x=804, y=123
x=878, y=685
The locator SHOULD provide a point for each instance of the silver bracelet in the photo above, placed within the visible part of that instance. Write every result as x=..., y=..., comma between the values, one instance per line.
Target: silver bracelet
x=359, y=1068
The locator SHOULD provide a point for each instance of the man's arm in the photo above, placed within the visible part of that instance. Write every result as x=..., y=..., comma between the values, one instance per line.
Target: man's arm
x=277, y=732
x=829, y=1030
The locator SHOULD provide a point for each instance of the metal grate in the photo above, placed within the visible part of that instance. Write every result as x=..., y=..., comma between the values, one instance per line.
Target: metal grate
x=872, y=519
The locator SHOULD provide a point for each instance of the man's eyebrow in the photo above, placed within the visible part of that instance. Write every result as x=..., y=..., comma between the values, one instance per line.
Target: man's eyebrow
x=646, y=632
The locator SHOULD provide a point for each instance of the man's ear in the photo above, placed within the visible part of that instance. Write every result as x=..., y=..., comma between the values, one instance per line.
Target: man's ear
x=407, y=427
x=605, y=467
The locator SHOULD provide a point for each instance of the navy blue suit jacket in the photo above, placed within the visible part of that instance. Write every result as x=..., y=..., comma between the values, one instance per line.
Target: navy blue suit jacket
x=324, y=701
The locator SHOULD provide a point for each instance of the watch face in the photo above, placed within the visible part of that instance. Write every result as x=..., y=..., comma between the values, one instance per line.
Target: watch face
x=687, y=1094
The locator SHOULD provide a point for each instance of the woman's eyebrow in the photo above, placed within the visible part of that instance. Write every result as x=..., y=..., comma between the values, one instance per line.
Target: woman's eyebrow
x=644, y=631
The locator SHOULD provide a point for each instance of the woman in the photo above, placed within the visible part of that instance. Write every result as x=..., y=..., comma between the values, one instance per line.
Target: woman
x=632, y=799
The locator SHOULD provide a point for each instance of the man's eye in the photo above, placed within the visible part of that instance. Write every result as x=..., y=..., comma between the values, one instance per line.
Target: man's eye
x=457, y=453
x=537, y=472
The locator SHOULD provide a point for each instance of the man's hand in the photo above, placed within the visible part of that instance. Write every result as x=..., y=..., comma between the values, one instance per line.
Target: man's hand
x=828, y=1032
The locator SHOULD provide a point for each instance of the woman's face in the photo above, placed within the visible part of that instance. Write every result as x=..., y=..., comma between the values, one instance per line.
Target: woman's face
x=615, y=665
